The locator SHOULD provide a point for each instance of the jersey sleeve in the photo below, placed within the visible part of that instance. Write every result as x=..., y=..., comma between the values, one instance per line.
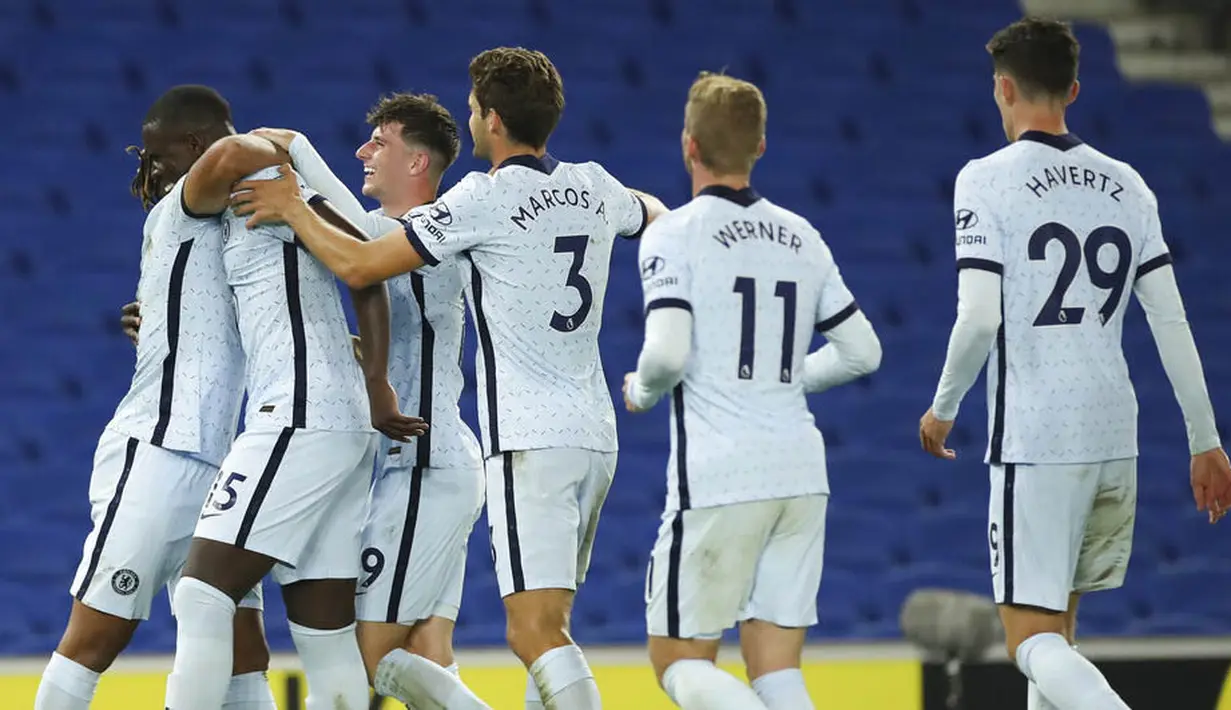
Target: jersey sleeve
x=1154, y=251
x=836, y=303
x=277, y=230
x=626, y=213
x=456, y=222
x=979, y=242
x=666, y=274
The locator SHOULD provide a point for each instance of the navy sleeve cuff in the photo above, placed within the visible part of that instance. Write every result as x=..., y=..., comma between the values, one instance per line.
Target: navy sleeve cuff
x=1157, y=262
x=316, y=199
x=980, y=264
x=668, y=303
x=838, y=318
x=419, y=246
x=645, y=220
x=190, y=213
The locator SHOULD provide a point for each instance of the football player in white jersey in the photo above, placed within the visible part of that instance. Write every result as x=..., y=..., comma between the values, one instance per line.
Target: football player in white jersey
x=734, y=287
x=536, y=236
x=1052, y=236
x=291, y=493
x=427, y=494
x=160, y=452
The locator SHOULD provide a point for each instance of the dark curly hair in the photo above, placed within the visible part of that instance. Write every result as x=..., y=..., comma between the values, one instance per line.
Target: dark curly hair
x=523, y=87
x=1040, y=54
x=424, y=122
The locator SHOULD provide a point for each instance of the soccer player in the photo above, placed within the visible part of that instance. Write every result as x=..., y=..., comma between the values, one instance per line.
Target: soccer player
x=427, y=494
x=734, y=286
x=1051, y=237
x=291, y=493
x=536, y=236
x=160, y=452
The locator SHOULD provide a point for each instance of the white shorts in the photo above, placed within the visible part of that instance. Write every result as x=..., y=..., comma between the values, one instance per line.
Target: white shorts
x=543, y=507
x=1058, y=529
x=414, y=543
x=714, y=567
x=296, y=495
x=143, y=502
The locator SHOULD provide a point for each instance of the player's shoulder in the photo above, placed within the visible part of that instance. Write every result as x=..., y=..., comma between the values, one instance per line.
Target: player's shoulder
x=1122, y=171
x=986, y=171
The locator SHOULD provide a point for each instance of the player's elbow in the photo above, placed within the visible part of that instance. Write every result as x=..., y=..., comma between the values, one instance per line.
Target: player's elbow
x=357, y=277
x=866, y=357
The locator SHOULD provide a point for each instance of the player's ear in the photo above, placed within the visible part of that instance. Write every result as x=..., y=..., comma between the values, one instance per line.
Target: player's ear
x=495, y=125
x=1008, y=89
x=1073, y=91
x=761, y=147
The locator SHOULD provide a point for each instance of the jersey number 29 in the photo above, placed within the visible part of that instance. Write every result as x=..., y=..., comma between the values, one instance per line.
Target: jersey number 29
x=747, y=289
x=1054, y=311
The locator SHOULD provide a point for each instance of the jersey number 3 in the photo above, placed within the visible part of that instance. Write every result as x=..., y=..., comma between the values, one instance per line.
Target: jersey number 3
x=747, y=289
x=1054, y=312
x=576, y=245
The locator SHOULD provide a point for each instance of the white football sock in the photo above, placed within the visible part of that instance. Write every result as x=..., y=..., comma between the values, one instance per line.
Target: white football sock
x=534, y=700
x=565, y=681
x=418, y=682
x=204, y=637
x=695, y=684
x=66, y=685
x=1064, y=676
x=333, y=668
x=249, y=691
x=1035, y=700
x=783, y=690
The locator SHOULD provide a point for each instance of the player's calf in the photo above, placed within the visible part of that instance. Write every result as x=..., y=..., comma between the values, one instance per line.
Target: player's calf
x=1037, y=643
x=538, y=622
x=94, y=639
x=686, y=671
x=772, y=656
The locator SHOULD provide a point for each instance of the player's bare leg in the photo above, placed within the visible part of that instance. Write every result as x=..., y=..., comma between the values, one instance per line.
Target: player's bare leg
x=94, y=639
x=686, y=672
x=414, y=664
x=1035, y=700
x=538, y=634
x=322, y=616
x=773, y=654
x=1038, y=642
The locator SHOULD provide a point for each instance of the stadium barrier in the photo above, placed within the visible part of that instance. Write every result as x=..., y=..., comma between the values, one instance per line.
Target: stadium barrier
x=1186, y=674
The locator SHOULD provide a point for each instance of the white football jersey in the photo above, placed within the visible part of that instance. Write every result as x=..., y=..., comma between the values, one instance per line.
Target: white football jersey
x=301, y=370
x=188, y=382
x=428, y=315
x=758, y=280
x=535, y=237
x=1071, y=230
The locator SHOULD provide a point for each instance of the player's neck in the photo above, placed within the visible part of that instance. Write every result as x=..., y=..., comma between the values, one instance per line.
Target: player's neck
x=1043, y=120
x=420, y=192
x=702, y=178
x=500, y=152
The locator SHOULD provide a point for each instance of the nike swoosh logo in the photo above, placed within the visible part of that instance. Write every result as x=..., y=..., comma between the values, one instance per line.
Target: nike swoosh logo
x=208, y=515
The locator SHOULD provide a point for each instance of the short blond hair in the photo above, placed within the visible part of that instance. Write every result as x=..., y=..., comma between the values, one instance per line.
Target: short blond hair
x=726, y=117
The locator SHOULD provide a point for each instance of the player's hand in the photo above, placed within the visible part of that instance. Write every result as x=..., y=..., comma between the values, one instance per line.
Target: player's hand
x=628, y=403
x=130, y=320
x=357, y=345
x=280, y=137
x=1210, y=476
x=264, y=201
x=932, y=434
x=387, y=419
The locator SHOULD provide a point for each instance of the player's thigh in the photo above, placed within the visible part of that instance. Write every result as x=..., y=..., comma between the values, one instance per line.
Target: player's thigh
x=144, y=502
x=1108, y=539
x=1037, y=518
x=277, y=488
x=788, y=573
x=332, y=549
x=415, y=543
x=703, y=567
x=534, y=510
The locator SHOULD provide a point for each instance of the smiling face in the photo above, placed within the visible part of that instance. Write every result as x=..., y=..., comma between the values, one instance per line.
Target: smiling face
x=168, y=155
x=387, y=162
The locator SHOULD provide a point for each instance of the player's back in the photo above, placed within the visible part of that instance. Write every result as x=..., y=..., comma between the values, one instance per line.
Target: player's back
x=188, y=381
x=757, y=275
x=301, y=369
x=537, y=235
x=1071, y=229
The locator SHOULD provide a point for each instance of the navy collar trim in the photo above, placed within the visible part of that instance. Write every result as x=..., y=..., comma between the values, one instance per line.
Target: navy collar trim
x=546, y=164
x=745, y=197
x=1059, y=142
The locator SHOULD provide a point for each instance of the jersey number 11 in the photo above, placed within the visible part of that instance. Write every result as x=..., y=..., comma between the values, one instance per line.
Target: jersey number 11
x=747, y=289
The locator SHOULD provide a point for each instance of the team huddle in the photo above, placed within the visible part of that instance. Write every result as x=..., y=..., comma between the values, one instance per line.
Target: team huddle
x=355, y=483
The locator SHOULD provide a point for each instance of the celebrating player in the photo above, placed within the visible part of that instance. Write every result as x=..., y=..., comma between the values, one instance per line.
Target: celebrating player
x=428, y=493
x=1051, y=237
x=291, y=492
x=536, y=235
x=734, y=286
x=159, y=454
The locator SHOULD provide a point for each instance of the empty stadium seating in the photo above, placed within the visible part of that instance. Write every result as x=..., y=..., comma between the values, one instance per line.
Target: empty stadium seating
x=874, y=106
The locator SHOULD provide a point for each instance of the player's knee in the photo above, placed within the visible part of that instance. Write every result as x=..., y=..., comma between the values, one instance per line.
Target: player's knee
x=432, y=640
x=251, y=649
x=1021, y=626
x=94, y=639
x=534, y=631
